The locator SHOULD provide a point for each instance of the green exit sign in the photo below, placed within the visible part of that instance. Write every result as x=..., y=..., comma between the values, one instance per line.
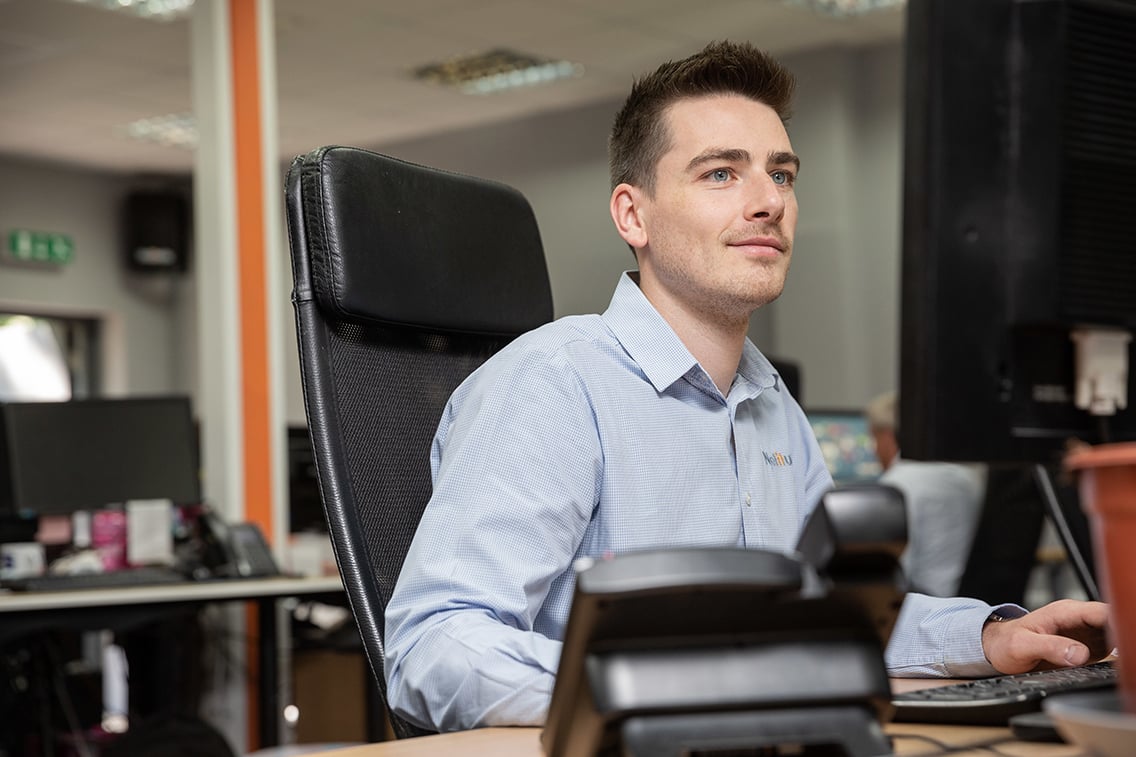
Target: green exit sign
x=27, y=246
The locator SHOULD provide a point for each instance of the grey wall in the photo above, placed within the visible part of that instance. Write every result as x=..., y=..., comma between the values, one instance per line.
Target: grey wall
x=143, y=316
x=838, y=317
x=839, y=314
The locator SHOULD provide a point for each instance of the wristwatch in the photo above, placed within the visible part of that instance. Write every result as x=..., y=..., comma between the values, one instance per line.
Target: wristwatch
x=1002, y=614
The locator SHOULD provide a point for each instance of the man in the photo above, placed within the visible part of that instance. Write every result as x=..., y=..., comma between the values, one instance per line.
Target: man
x=944, y=502
x=655, y=425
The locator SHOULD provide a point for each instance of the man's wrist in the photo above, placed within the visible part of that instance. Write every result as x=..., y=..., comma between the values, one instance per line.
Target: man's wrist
x=997, y=616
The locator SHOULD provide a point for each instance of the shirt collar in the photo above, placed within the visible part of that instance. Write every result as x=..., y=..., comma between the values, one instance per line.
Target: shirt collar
x=756, y=370
x=646, y=336
x=656, y=348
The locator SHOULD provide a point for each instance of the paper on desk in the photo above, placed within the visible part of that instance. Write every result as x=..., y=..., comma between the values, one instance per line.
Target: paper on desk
x=149, y=532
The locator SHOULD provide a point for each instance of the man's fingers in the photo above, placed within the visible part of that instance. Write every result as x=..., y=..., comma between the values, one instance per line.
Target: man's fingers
x=1050, y=651
x=1073, y=653
x=1072, y=621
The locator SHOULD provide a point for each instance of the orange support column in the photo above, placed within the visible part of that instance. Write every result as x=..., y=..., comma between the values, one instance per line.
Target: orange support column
x=253, y=279
x=252, y=287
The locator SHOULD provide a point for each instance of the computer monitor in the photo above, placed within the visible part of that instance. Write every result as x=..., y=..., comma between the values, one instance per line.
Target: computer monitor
x=846, y=444
x=60, y=457
x=305, y=508
x=1019, y=181
x=790, y=374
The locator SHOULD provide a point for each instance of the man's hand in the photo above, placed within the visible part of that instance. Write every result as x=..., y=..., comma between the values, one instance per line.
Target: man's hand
x=1065, y=632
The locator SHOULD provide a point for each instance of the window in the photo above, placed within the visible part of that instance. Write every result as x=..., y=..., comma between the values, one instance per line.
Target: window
x=47, y=357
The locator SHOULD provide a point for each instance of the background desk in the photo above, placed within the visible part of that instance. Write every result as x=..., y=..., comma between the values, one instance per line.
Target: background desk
x=23, y=613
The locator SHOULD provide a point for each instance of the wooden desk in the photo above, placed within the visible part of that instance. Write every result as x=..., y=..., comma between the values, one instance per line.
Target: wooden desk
x=910, y=740
x=23, y=613
x=525, y=742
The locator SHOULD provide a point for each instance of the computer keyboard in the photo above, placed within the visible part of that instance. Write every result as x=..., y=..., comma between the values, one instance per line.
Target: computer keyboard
x=993, y=701
x=151, y=575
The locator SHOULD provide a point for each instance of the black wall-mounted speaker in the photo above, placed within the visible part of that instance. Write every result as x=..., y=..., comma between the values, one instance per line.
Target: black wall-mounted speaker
x=156, y=232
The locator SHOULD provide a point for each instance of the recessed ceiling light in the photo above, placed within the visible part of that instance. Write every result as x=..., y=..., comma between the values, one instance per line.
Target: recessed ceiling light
x=496, y=70
x=173, y=130
x=158, y=10
x=847, y=7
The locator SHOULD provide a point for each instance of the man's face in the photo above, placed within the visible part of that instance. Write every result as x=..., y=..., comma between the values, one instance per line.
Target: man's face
x=716, y=237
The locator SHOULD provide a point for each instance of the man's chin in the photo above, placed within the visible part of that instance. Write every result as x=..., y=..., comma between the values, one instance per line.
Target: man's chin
x=765, y=292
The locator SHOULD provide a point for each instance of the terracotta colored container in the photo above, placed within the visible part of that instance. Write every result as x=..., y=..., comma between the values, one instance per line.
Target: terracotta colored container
x=1108, y=496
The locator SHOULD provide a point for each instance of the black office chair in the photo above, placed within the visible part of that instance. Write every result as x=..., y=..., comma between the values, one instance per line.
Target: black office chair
x=406, y=279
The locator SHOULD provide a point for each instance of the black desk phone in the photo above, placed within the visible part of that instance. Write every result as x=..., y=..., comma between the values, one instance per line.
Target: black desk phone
x=234, y=550
x=737, y=651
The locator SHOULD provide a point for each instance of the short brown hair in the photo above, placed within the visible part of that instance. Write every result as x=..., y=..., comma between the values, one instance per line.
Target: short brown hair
x=639, y=136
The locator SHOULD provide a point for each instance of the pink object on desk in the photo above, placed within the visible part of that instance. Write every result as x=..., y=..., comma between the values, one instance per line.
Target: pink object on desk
x=108, y=537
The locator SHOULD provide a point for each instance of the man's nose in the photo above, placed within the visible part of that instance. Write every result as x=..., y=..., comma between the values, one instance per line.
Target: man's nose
x=766, y=200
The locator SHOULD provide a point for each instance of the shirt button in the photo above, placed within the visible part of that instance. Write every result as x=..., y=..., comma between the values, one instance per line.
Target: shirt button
x=749, y=500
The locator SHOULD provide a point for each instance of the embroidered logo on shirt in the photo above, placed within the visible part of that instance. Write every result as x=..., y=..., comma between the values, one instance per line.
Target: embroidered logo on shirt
x=777, y=458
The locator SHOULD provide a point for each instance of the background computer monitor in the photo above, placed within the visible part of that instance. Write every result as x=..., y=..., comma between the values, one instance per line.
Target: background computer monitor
x=848, y=449
x=1019, y=179
x=60, y=457
x=305, y=508
x=790, y=374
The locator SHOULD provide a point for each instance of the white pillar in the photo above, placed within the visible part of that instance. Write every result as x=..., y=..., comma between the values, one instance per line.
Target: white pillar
x=239, y=269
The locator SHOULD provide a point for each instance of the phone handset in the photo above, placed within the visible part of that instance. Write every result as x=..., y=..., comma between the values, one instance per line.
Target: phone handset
x=237, y=549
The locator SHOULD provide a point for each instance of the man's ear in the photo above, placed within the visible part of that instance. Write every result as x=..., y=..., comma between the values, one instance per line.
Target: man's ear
x=626, y=212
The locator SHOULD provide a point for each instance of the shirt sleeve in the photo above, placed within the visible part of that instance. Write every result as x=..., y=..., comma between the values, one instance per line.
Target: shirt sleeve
x=516, y=478
x=937, y=637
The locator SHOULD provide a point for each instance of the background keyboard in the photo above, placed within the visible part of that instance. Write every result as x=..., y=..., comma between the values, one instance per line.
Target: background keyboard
x=993, y=701
x=152, y=575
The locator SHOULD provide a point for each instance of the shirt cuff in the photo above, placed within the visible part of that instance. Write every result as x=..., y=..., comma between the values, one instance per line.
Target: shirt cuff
x=964, y=656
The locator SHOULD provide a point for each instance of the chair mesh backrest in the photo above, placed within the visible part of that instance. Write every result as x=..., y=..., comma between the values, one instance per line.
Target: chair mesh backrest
x=388, y=453
x=406, y=280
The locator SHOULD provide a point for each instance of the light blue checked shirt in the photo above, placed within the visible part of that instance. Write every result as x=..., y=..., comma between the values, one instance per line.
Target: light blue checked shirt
x=589, y=436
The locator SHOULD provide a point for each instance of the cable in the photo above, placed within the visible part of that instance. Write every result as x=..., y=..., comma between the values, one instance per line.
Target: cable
x=1057, y=517
x=944, y=748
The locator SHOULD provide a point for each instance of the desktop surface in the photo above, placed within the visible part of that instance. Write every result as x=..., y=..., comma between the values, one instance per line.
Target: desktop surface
x=909, y=740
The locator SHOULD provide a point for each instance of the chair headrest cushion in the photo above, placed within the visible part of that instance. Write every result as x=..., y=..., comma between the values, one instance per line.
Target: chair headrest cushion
x=397, y=243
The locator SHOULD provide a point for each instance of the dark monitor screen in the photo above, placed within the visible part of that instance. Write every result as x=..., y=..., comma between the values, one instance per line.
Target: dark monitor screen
x=305, y=508
x=59, y=457
x=1019, y=179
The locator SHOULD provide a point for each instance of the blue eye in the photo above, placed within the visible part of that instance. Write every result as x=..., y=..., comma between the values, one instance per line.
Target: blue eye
x=720, y=174
x=782, y=177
